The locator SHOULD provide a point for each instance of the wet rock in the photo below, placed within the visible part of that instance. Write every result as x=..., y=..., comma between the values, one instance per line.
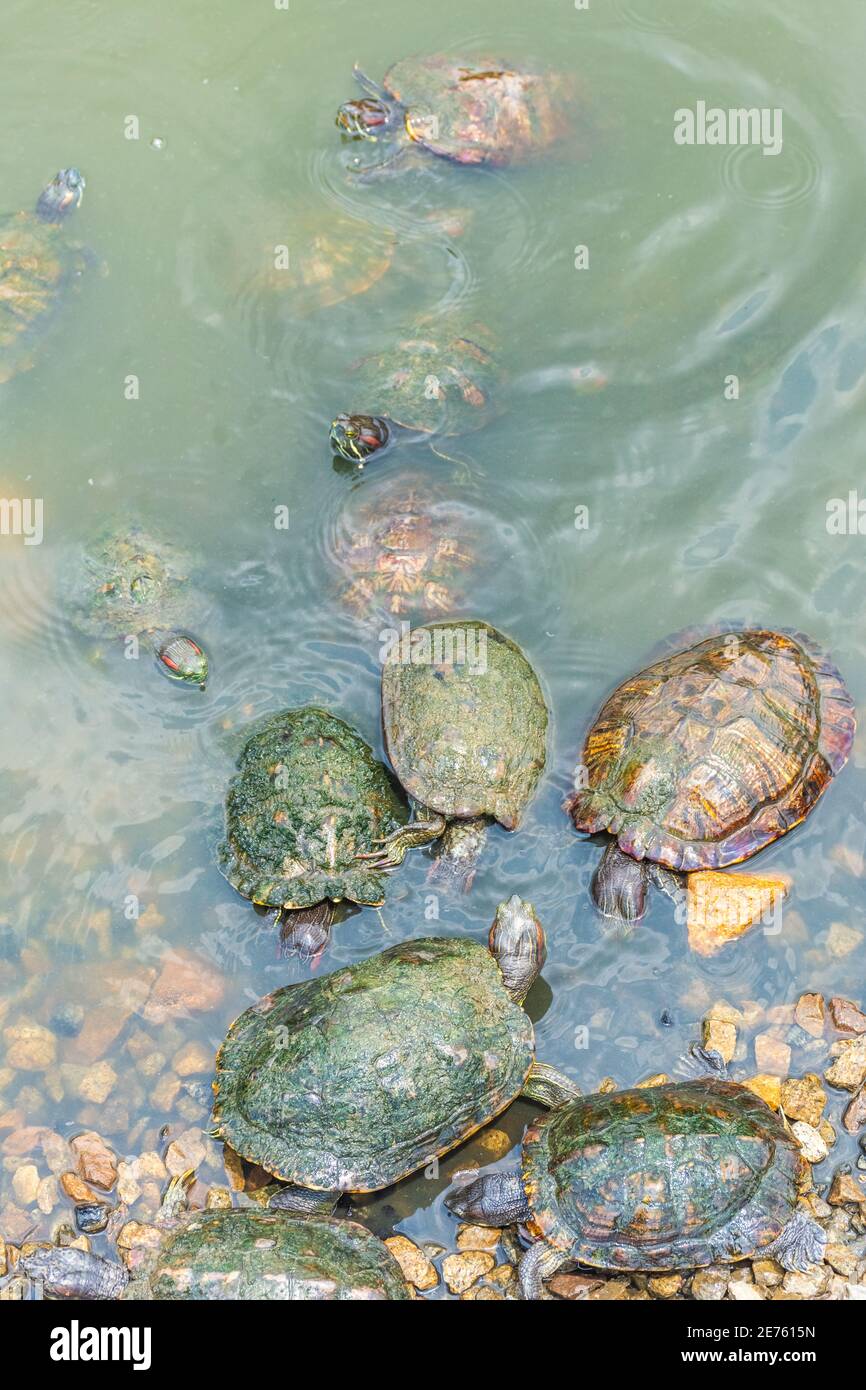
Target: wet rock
x=809, y=1283
x=186, y=1152
x=827, y=1133
x=848, y=1072
x=711, y=1284
x=25, y=1184
x=128, y=1186
x=721, y=907
x=611, y=1290
x=810, y=1014
x=660, y=1078
x=15, y=1224
x=67, y=1020
x=768, y=1274
x=804, y=1098
x=462, y=1270
x=187, y=984
x=494, y=1143
x=166, y=1091
x=76, y=1188
x=845, y=1188
x=22, y=1141
x=417, y=1270
x=842, y=940
x=55, y=1151
x=218, y=1199
x=47, y=1195
x=477, y=1237
x=29, y=1046
x=606, y=1086
x=812, y=1146
x=719, y=1030
x=96, y=1083
x=194, y=1059
x=665, y=1285
x=92, y=1217
x=480, y=1293
x=772, y=1055
x=110, y=993
x=767, y=1088
x=841, y=1258
x=95, y=1161
x=151, y=1065
x=854, y=1117
x=743, y=1292
x=135, y=1243
x=846, y=1017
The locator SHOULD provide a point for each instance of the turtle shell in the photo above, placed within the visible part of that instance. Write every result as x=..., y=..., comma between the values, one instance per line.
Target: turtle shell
x=319, y=260
x=266, y=1255
x=402, y=549
x=662, y=1177
x=437, y=381
x=704, y=758
x=128, y=582
x=352, y=1081
x=35, y=264
x=465, y=721
x=480, y=111
x=308, y=797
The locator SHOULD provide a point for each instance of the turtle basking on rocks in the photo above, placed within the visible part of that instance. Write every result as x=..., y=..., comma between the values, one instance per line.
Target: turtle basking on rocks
x=351, y=1082
x=465, y=725
x=703, y=759
x=478, y=111
x=232, y=1255
x=441, y=380
x=37, y=263
x=308, y=800
x=131, y=585
x=676, y=1176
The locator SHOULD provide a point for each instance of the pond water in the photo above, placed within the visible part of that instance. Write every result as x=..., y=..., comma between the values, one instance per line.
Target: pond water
x=626, y=489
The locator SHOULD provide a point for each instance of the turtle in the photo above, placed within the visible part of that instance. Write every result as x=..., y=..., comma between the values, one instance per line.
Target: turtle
x=134, y=585
x=37, y=262
x=465, y=725
x=231, y=1254
x=308, y=797
x=707, y=756
x=351, y=1082
x=673, y=1176
x=478, y=110
x=441, y=379
x=401, y=548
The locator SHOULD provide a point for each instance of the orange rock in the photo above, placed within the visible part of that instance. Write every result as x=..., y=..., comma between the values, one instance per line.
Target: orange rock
x=767, y=1088
x=95, y=1161
x=809, y=1014
x=721, y=907
x=187, y=984
x=847, y=1018
x=845, y=1188
x=854, y=1118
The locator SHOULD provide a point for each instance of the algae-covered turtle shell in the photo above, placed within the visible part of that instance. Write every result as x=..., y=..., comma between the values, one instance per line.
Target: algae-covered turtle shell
x=465, y=721
x=350, y=1082
x=37, y=263
x=129, y=582
x=307, y=799
x=268, y=1255
x=666, y=1177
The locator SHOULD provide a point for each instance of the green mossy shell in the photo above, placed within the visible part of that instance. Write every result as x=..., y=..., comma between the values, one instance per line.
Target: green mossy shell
x=355, y=1080
x=129, y=583
x=36, y=263
x=247, y=1254
x=466, y=738
x=662, y=1177
x=433, y=382
x=308, y=797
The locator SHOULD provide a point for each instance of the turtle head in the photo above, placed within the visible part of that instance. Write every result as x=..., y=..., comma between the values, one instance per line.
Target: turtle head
x=518, y=945
x=367, y=118
x=62, y=196
x=180, y=657
x=356, y=437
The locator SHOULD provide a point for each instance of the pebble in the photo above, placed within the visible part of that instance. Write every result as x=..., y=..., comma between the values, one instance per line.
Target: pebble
x=494, y=1143
x=477, y=1237
x=76, y=1188
x=30, y=1047
x=611, y=1290
x=92, y=1217
x=462, y=1270
x=804, y=1098
x=48, y=1195
x=808, y=1283
x=842, y=939
x=573, y=1286
x=845, y=1188
x=25, y=1184
x=846, y=1017
x=96, y=1162
x=193, y=1060
x=185, y=1152
x=417, y=1270
x=218, y=1199
x=187, y=984
x=135, y=1241
x=854, y=1117
x=810, y=1014
x=165, y=1091
x=813, y=1147
x=767, y=1273
x=841, y=1258
x=721, y=907
x=665, y=1285
x=710, y=1285
x=768, y=1088
x=719, y=1030
x=772, y=1055
x=848, y=1072
x=744, y=1292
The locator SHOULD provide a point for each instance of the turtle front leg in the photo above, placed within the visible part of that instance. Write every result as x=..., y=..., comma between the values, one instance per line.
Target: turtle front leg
x=800, y=1245
x=394, y=846
x=458, y=857
x=540, y=1262
x=548, y=1086
x=619, y=885
x=496, y=1199
x=304, y=1199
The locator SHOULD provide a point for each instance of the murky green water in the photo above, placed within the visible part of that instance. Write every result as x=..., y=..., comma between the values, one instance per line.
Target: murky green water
x=704, y=263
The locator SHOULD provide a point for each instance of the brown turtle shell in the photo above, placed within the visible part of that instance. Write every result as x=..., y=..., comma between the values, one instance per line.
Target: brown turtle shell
x=704, y=758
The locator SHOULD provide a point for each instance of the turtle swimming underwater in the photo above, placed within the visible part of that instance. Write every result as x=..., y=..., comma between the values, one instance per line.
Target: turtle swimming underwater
x=440, y=381
x=36, y=265
x=132, y=585
x=706, y=757
x=665, y=1177
x=351, y=1082
x=232, y=1255
x=306, y=802
x=401, y=547
x=476, y=111
x=465, y=725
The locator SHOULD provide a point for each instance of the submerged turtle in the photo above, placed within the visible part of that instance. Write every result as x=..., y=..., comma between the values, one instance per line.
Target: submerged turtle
x=661, y=1177
x=132, y=585
x=401, y=548
x=351, y=1082
x=309, y=798
x=36, y=264
x=706, y=757
x=233, y=1254
x=438, y=382
x=475, y=111
x=466, y=731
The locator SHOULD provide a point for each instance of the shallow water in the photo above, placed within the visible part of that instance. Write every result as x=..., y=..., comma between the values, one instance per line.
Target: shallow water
x=703, y=263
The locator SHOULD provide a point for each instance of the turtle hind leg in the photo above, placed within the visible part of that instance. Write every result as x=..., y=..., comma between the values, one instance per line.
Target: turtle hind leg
x=304, y=1199
x=496, y=1199
x=619, y=885
x=392, y=849
x=800, y=1245
x=541, y=1261
x=548, y=1086
x=458, y=856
